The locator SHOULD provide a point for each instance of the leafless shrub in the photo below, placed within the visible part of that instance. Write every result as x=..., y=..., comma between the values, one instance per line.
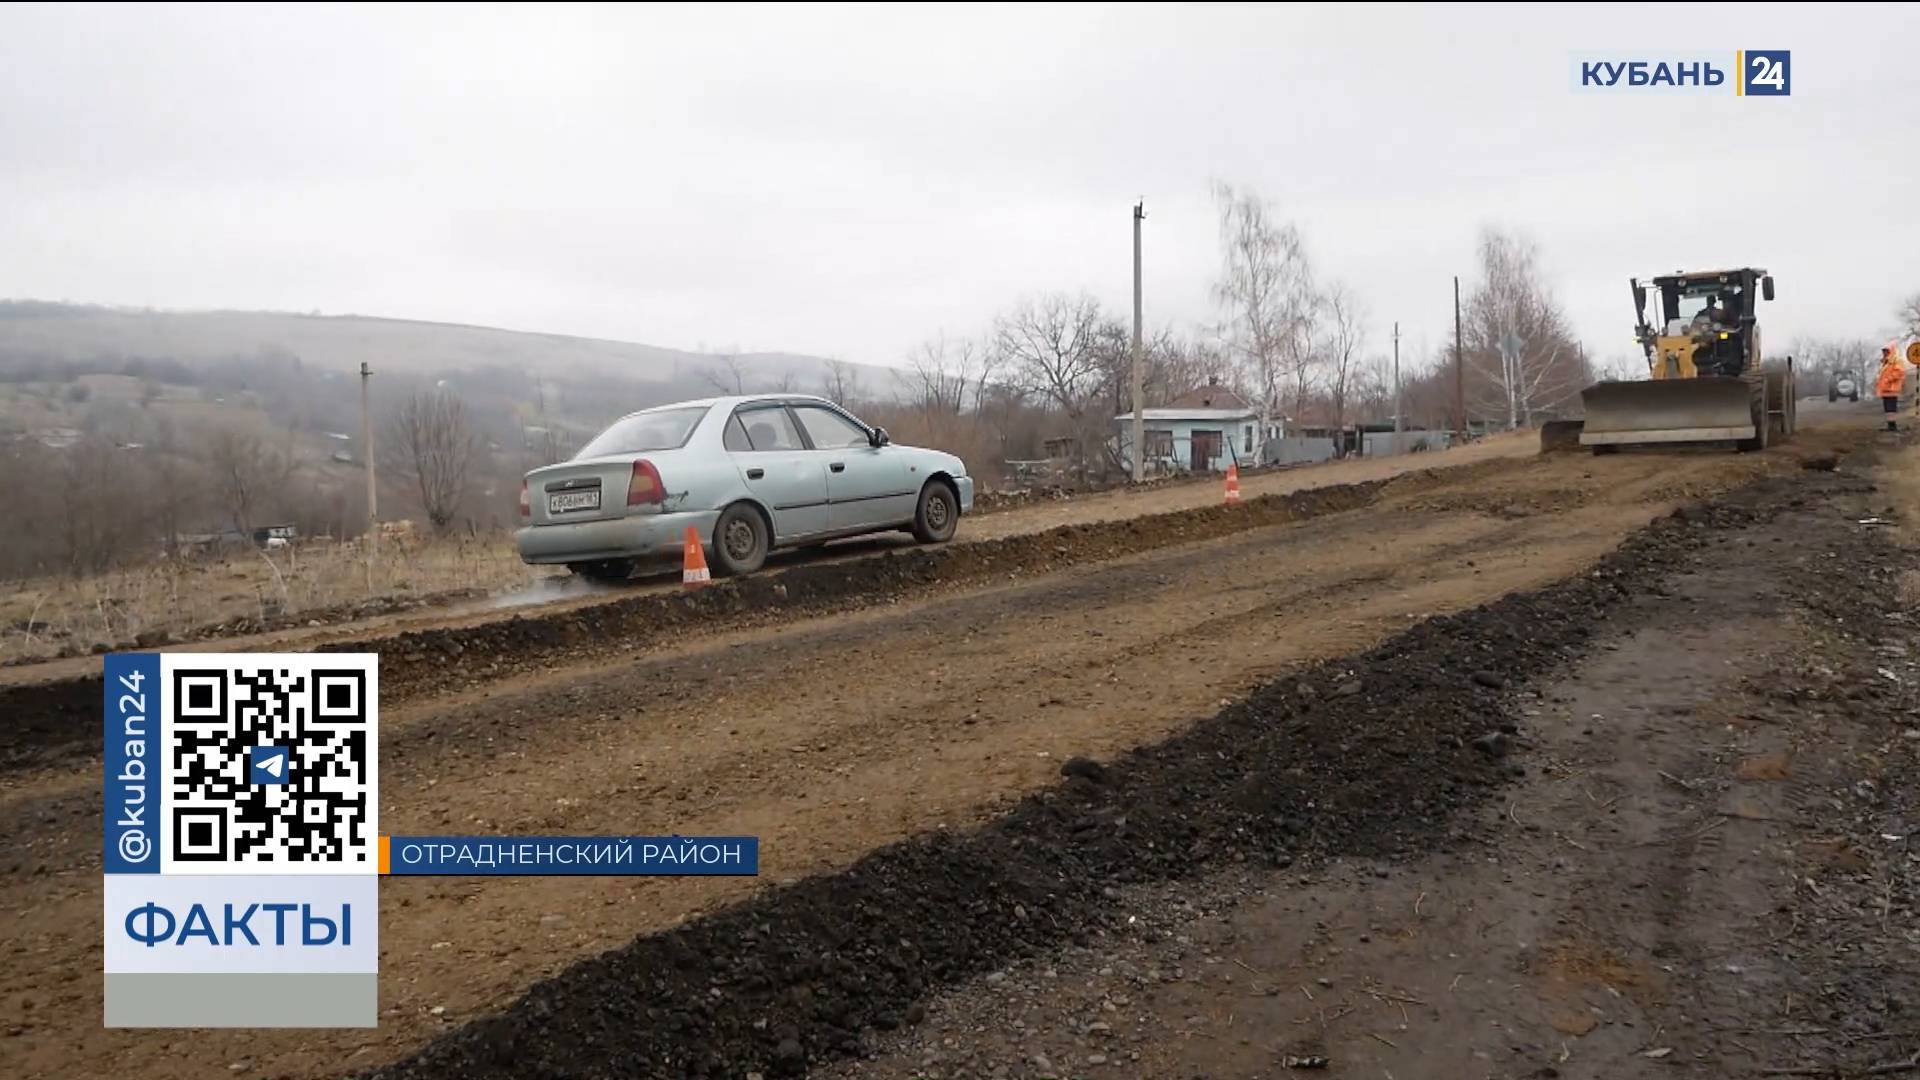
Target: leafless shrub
x=430, y=445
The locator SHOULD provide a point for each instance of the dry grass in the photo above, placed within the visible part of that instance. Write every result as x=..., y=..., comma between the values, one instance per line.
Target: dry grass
x=51, y=617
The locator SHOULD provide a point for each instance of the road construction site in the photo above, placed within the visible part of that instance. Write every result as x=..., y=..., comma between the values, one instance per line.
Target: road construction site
x=1528, y=764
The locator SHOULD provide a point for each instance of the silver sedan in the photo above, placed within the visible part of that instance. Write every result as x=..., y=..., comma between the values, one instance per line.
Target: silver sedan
x=748, y=474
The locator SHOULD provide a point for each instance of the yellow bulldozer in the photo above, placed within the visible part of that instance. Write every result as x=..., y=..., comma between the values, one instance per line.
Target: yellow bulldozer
x=1708, y=381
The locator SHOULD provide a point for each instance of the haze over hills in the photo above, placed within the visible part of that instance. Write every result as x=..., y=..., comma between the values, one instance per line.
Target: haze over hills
x=40, y=336
x=173, y=384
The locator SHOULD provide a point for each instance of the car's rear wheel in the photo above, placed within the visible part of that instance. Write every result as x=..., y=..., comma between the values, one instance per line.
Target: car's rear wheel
x=740, y=540
x=603, y=569
x=938, y=514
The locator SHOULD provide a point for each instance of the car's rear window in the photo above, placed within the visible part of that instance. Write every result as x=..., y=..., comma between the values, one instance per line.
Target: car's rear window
x=662, y=429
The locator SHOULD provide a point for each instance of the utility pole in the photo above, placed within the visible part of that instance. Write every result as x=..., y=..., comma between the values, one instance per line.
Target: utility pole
x=1139, y=362
x=1459, y=361
x=1398, y=427
x=366, y=451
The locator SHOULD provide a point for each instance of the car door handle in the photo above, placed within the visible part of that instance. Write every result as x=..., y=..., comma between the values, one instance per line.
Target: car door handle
x=838, y=466
x=755, y=474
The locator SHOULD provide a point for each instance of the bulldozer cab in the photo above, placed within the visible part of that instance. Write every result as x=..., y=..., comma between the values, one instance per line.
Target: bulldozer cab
x=1702, y=323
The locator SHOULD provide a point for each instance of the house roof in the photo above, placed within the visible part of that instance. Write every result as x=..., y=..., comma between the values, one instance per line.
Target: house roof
x=1211, y=396
x=1245, y=412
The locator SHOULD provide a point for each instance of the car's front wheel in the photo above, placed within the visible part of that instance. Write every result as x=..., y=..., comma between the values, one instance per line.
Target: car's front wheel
x=937, y=515
x=740, y=540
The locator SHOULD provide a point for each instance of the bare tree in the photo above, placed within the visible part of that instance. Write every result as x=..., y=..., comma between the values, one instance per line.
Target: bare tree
x=1187, y=364
x=175, y=486
x=1909, y=315
x=1170, y=365
x=1519, y=344
x=1370, y=388
x=1113, y=345
x=981, y=362
x=842, y=382
x=430, y=444
x=1818, y=358
x=1346, y=336
x=949, y=375
x=24, y=467
x=1621, y=367
x=1303, y=351
x=554, y=444
x=726, y=374
x=101, y=511
x=1266, y=291
x=1049, y=345
x=938, y=384
x=246, y=475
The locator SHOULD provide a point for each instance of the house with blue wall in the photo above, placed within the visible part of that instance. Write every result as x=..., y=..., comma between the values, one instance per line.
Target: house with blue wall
x=1203, y=430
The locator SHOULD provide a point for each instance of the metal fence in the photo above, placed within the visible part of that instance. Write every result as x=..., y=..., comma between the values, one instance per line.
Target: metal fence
x=1296, y=450
x=1385, y=443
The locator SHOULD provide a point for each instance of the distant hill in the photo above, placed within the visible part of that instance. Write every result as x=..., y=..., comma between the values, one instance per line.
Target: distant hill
x=40, y=335
x=172, y=378
x=130, y=409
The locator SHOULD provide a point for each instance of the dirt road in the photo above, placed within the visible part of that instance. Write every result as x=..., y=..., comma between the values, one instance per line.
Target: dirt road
x=562, y=593
x=1705, y=869
x=827, y=735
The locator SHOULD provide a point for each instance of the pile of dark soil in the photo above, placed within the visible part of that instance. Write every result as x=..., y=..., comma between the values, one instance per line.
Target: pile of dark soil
x=1374, y=756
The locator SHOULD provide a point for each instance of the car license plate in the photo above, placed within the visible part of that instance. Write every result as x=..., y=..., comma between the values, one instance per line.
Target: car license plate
x=561, y=502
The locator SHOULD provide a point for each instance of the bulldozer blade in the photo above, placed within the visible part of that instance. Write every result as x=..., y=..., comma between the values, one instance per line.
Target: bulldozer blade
x=1708, y=409
x=1560, y=435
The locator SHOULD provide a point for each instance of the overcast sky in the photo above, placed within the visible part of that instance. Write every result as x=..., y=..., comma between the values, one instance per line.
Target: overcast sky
x=850, y=181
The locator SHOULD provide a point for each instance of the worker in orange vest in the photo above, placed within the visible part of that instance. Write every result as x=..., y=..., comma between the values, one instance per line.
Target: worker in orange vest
x=1892, y=379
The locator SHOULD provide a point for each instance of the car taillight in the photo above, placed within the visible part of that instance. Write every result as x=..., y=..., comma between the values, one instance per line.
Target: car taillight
x=526, y=505
x=645, y=487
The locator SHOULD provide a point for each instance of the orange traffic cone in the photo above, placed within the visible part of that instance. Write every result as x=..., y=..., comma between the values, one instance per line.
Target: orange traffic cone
x=1233, y=482
x=693, y=573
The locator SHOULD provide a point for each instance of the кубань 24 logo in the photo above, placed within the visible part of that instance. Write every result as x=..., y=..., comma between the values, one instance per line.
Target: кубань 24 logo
x=1751, y=72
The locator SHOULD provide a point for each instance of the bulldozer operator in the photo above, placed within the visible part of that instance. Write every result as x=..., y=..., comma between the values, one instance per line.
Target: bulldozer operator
x=1713, y=326
x=1718, y=312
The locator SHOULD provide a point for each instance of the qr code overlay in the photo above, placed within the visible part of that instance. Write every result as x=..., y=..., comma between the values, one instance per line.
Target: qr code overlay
x=270, y=764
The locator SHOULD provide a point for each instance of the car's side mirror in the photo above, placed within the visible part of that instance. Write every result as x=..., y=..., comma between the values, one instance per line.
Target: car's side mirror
x=1766, y=286
x=878, y=437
